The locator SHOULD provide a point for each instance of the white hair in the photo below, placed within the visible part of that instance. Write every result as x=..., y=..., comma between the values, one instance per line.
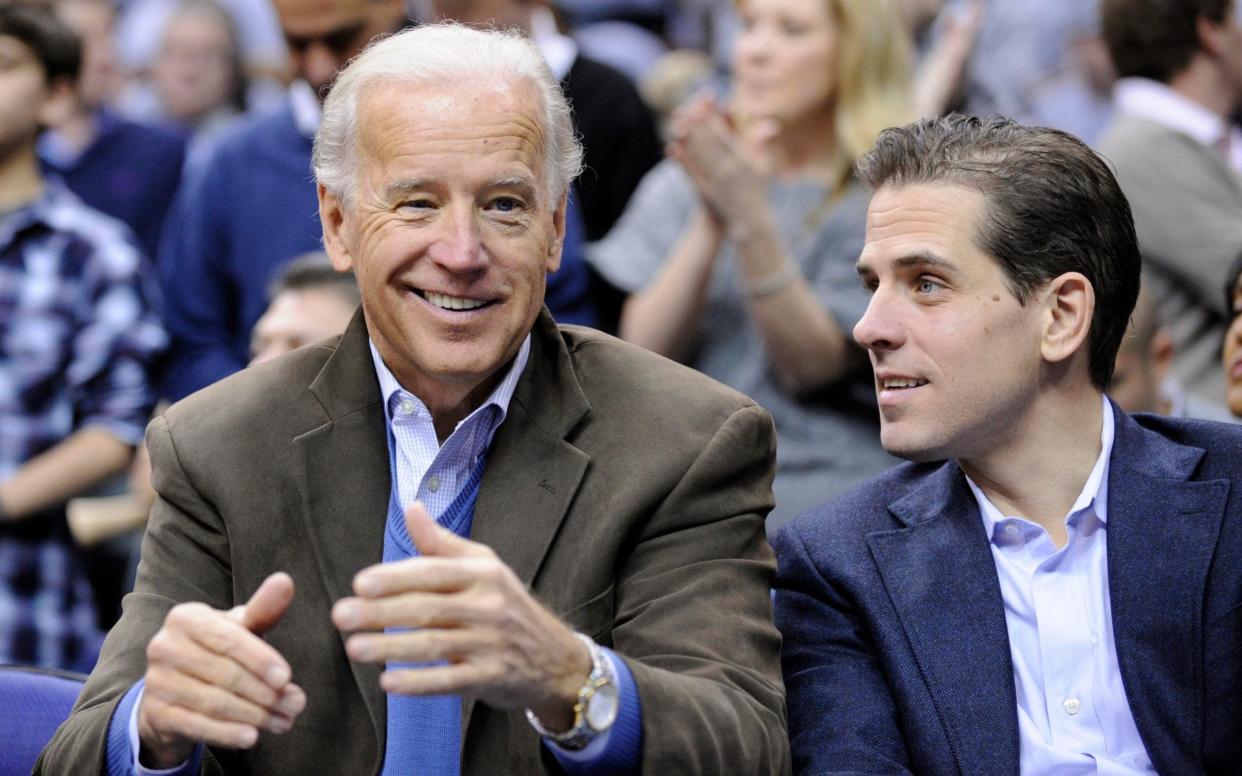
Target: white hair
x=443, y=54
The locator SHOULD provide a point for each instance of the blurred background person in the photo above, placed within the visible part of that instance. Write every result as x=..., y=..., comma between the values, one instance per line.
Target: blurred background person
x=140, y=37
x=311, y=301
x=251, y=207
x=1231, y=354
x=128, y=170
x=197, y=81
x=1143, y=380
x=78, y=335
x=1178, y=159
x=739, y=251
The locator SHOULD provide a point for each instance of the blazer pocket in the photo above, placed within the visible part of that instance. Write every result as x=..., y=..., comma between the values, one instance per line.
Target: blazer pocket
x=593, y=617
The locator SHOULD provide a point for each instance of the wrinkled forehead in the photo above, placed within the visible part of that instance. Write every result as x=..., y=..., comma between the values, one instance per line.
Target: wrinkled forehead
x=398, y=118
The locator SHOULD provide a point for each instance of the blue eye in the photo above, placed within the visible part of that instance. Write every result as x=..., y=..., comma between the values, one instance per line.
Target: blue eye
x=928, y=286
x=506, y=204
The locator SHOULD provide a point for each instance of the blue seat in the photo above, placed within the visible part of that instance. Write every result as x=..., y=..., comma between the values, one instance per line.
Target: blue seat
x=33, y=703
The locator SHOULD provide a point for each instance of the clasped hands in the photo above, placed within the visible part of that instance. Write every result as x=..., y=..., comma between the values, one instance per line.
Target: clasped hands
x=728, y=167
x=211, y=677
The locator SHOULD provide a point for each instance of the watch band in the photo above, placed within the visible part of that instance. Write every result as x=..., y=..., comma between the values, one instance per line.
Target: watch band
x=583, y=731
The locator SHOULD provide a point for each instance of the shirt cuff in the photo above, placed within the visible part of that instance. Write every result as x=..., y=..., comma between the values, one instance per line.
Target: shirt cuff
x=620, y=748
x=123, y=744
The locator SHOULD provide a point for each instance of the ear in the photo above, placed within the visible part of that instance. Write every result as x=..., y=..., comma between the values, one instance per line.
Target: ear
x=559, y=217
x=1070, y=303
x=59, y=104
x=332, y=216
x=1211, y=35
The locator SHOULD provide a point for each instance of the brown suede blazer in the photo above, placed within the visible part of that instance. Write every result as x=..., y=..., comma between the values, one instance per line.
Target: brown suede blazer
x=627, y=491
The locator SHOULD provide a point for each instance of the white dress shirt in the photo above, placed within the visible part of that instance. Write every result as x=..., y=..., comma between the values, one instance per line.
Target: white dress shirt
x=1073, y=714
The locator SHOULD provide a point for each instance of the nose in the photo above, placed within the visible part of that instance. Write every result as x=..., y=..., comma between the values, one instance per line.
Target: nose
x=880, y=326
x=459, y=246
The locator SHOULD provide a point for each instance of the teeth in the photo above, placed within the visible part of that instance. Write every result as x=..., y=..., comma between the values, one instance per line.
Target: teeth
x=903, y=382
x=452, y=302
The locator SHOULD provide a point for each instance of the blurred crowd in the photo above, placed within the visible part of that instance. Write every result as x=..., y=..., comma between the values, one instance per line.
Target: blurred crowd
x=159, y=227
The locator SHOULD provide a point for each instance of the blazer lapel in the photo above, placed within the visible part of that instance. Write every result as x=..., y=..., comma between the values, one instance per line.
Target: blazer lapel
x=1162, y=533
x=939, y=573
x=532, y=473
x=346, y=487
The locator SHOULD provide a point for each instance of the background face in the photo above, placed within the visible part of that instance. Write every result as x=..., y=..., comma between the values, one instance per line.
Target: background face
x=783, y=59
x=323, y=35
x=297, y=318
x=956, y=356
x=450, y=234
x=1233, y=354
x=193, y=72
x=23, y=90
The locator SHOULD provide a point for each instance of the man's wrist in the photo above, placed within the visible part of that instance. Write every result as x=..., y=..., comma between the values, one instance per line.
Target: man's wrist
x=594, y=709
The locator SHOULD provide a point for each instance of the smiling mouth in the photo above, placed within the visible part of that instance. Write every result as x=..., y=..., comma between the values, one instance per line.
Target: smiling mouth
x=453, y=303
x=900, y=383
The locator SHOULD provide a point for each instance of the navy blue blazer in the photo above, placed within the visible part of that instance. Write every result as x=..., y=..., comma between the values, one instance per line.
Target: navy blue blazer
x=896, y=655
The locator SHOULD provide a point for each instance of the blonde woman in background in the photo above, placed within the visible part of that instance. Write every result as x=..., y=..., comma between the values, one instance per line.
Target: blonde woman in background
x=739, y=250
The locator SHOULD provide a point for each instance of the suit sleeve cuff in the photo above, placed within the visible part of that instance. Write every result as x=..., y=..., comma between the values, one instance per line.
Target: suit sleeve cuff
x=620, y=749
x=122, y=751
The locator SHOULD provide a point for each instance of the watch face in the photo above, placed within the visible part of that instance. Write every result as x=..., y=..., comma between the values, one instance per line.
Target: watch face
x=602, y=709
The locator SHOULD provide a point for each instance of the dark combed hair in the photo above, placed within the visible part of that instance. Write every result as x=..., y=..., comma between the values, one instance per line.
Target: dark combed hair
x=1156, y=38
x=313, y=272
x=1053, y=206
x=58, y=50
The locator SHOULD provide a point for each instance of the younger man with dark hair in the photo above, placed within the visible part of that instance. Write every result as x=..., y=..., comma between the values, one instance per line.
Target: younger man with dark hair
x=77, y=336
x=1051, y=585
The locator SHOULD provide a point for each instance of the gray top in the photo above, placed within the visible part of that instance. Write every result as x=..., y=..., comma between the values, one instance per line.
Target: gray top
x=827, y=442
x=1187, y=206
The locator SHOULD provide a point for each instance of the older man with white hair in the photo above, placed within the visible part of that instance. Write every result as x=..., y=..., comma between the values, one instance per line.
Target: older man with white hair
x=515, y=547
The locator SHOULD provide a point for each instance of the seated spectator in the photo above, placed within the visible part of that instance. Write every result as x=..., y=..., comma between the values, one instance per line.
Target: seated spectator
x=78, y=333
x=197, y=81
x=1179, y=160
x=1050, y=585
x=1232, y=352
x=1143, y=380
x=128, y=170
x=311, y=301
x=739, y=250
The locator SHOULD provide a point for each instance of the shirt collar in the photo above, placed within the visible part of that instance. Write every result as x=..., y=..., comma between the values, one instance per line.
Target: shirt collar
x=558, y=50
x=1159, y=103
x=391, y=390
x=41, y=210
x=306, y=108
x=1094, y=493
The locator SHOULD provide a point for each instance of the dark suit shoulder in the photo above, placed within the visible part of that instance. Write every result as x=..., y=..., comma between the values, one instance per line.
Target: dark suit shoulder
x=1221, y=443
x=839, y=527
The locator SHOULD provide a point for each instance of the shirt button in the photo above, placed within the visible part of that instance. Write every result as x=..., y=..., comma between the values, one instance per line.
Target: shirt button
x=1072, y=706
x=433, y=484
x=407, y=407
x=1012, y=529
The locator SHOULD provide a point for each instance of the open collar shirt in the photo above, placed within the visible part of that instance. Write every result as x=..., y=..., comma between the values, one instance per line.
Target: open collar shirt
x=1073, y=714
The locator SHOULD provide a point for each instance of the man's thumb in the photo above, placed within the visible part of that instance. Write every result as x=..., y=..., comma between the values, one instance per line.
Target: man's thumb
x=431, y=539
x=268, y=604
